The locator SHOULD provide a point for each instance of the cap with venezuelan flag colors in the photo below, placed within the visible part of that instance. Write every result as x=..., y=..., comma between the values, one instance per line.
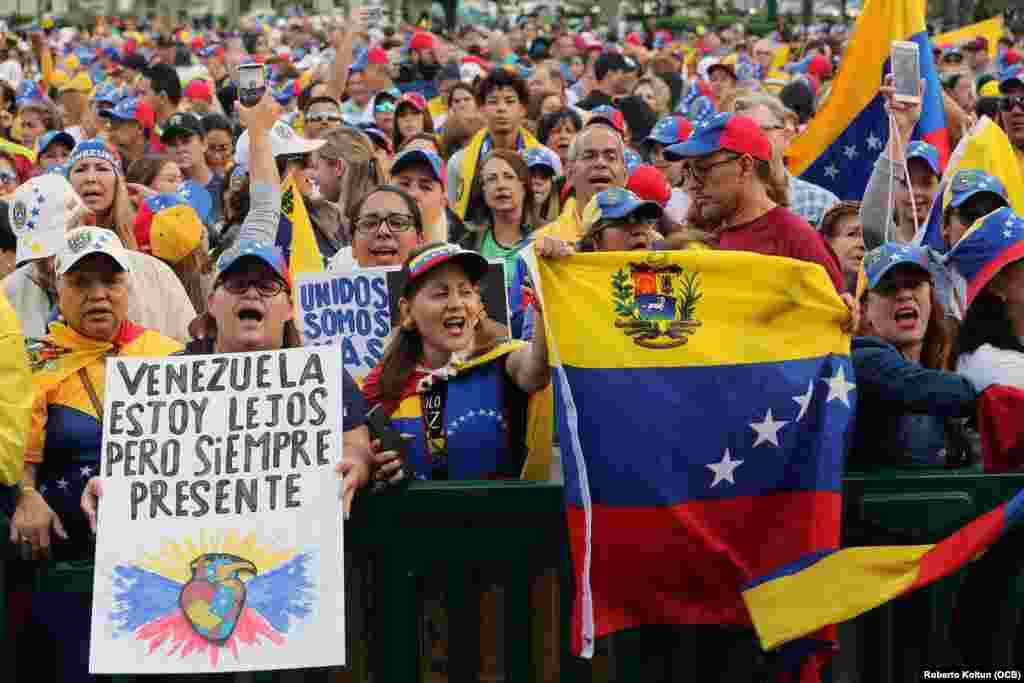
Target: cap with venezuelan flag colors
x=992, y=243
x=167, y=227
x=437, y=254
x=269, y=254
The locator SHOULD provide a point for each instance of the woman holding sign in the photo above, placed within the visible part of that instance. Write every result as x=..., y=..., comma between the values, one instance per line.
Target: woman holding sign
x=68, y=365
x=451, y=377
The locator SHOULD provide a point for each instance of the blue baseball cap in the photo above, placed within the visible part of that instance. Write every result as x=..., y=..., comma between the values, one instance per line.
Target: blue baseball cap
x=542, y=157
x=268, y=253
x=92, y=149
x=1011, y=74
x=616, y=203
x=670, y=130
x=969, y=182
x=420, y=156
x=632, y=159
x=131, y=109
x=53, y=136
x=927, y=153
x=881, y=260
x=740, y=134
x=609, y=115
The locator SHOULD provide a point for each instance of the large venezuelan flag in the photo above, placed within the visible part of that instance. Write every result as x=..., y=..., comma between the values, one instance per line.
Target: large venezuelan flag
x=704, y=401
x=839, y=148
x=295, y=233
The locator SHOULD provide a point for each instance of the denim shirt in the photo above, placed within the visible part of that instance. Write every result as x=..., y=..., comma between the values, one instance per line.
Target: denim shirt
x=903, y=408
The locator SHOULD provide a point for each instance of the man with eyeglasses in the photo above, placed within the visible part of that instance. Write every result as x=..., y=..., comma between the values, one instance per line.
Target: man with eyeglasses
x=726, y=171
x=1011, y=106
x=618, y=220
x=321, y=116
x=185, y=139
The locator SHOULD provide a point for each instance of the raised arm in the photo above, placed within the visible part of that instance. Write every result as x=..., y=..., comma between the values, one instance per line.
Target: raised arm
x=264, y=181
x=343, y=42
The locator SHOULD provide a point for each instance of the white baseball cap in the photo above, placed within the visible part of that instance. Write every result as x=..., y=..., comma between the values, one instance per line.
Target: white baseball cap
x=40, y=211
x=91, y=240
x=284, y=141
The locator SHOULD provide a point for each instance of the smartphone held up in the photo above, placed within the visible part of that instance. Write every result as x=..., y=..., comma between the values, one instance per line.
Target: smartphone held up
x=906, y=71
x=252, y=83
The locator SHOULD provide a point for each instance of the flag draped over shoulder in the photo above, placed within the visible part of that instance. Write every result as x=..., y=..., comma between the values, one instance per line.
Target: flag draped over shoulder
x=985, y=148
x=295, y=232
x=703, y=427
x=839, y=148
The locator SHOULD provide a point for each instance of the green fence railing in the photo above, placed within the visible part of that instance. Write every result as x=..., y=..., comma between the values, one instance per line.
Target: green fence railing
x=505, y=544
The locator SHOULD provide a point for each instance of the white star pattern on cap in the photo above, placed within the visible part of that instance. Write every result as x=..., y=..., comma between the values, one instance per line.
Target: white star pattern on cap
x=874, y=142
x=850, y=151
x=831, y=171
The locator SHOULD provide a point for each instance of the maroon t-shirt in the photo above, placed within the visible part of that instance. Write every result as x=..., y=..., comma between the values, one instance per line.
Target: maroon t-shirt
x=780, y=232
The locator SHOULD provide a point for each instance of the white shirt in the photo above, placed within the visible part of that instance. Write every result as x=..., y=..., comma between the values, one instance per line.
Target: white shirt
x=988, y=365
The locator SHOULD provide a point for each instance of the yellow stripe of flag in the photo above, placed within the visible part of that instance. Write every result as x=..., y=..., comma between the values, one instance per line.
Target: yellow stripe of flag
x=305, y=254
x=791, y=304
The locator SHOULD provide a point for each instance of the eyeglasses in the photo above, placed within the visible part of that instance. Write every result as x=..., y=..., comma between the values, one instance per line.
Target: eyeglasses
x=397, y=222
x=265, y=288
x=1010, y=102
x=384, y=107
x=699, y=174
x=323, y=118
x=8, y=178
x=625, y=223
x=219, y=150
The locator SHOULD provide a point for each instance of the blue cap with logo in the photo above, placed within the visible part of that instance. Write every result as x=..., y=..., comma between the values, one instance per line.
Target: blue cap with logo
x=542, y=157
x=881, y=260
x=268, y=253
x=670, y=130
x=971, y=181
x=616, y=203
x=918, y=149
x=53, y=136
x=420, y=156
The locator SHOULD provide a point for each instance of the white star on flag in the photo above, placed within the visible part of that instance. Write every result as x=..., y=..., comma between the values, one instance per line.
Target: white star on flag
x=804, y=401
x=831, y=171
x=724, y=469
x=62, y=484
x=874, y=142
x=85, y=472
x=1007, y=234
x=850, y=151
x=768, y=430
x=839, y=388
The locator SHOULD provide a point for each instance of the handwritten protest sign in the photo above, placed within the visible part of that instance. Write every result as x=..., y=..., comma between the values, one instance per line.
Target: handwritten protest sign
x=219, y=545
x=355, y=308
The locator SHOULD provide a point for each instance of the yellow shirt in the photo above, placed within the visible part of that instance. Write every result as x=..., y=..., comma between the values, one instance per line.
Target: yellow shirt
x=16, y=396
x=568, y=226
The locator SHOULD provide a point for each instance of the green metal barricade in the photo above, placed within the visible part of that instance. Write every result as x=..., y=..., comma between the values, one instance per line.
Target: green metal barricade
x=886, y=507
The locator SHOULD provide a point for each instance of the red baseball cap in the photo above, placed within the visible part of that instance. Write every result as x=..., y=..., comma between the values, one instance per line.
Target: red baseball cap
x=820, y=67
x=377, y=56
x=740, y=134
x=648, y=183
x=421, y=41
x=199, y=90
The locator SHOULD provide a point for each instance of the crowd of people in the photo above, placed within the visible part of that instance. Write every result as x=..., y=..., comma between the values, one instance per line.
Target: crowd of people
x=140, y=207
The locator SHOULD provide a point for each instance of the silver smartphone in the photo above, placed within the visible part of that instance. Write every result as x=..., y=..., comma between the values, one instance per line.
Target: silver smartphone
x=252, y=83
x=906, y=71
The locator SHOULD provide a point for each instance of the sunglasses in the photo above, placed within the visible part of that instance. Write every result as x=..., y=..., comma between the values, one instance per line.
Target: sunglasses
x=1011, y=102
x=384, y=107
x=323, y=118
